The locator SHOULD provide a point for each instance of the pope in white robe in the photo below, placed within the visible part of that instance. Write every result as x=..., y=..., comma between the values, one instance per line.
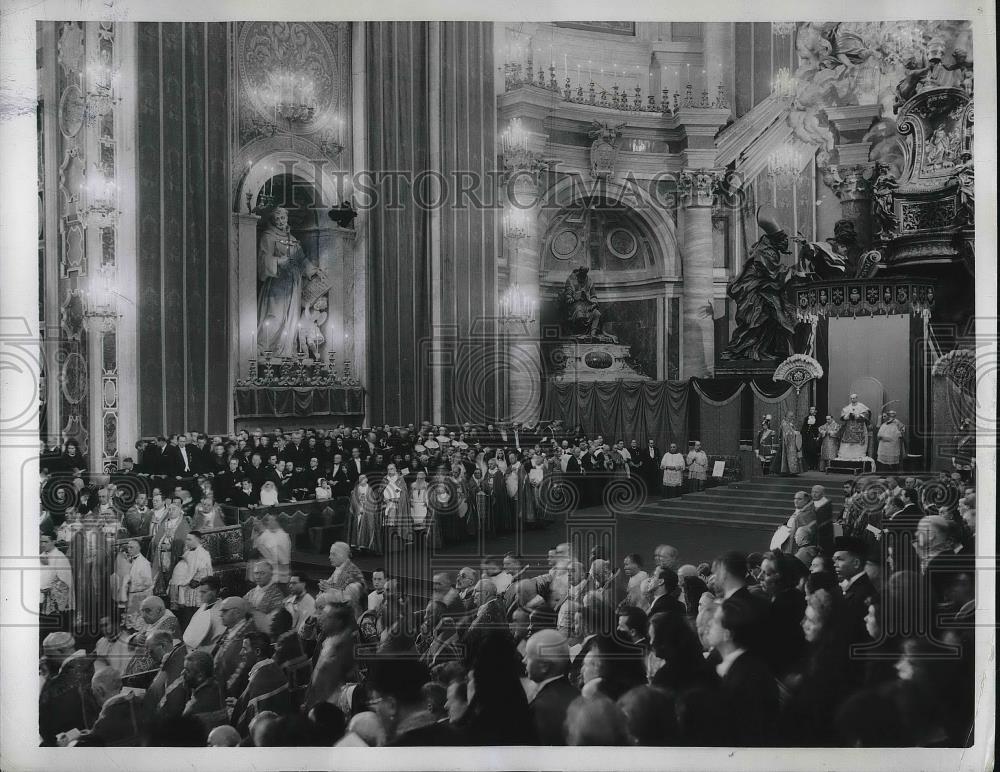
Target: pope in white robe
x=855, y=418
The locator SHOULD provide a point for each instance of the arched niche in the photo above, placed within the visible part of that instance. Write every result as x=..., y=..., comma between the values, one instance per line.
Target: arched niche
x=261, y=161
x=602, y=223
x=628, y=242
x=308, y=189
x=608, y=238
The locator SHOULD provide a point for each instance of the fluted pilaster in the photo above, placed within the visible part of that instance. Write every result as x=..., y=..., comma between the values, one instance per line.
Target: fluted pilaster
x=697, y=187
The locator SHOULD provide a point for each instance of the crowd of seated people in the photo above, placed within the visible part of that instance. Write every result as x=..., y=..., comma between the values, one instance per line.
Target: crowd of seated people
x=868, y=644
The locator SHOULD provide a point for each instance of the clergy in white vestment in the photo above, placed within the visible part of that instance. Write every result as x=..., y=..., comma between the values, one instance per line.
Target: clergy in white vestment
x=134, y=584
x=206, y=625
x=56, y=578
x=672, y=465
x=191, y=570
x=275, y=546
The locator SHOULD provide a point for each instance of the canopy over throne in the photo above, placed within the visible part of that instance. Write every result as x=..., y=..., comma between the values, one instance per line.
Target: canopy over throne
x=929, y=212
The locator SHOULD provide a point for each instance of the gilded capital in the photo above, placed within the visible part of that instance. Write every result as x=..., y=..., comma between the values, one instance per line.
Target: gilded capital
x=849, y=183
x=698, y=186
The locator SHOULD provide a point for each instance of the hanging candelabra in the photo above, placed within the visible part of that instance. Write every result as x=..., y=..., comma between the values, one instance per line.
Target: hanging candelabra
x=515, y=224
x=784, y=83
x=100, y=299
x=101, y=195
x=514, y=145
x=784, y=166
x=101, y=98
x=517, y=306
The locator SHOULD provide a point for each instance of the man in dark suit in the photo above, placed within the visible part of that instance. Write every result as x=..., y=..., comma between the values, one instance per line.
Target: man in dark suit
x=204, y=696
x=294, y=449
x=201, y=454
x=666, y=588
x=305, y=480
x=272, y=470
x=780, y=575
x=356, y=465
x=368, y=445
x=267, y=683
x=395, y=694
x=341, y=478
x=228, y=652
x=172, y=462
x=166, y=695
x=849, y=565
x=546, y=663
x=900, y=533
x=748, y=692
x=156, y=458
x=255, y=472
x=730, y=570
x=228, y=484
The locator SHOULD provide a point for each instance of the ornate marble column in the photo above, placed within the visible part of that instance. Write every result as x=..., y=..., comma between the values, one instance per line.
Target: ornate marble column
x=242, y=296
x=852, y=187
x=849, y=179
x=524, y=365
x=697, y=187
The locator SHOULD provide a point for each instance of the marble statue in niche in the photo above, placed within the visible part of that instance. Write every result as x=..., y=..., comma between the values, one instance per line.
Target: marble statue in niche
x=580, y=307
x=282, y=266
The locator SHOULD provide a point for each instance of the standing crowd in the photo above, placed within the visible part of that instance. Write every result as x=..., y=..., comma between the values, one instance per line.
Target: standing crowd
x=865, y=641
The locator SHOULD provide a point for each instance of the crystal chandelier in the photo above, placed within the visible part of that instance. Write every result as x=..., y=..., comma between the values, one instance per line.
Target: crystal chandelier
x=784, y=83
x=517, y=306
x=784, y=166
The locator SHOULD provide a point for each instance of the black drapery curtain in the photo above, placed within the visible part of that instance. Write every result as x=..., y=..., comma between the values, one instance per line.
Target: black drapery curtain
x=821, y=352
x=626, y=410
x=720, y=412
x=291, y=401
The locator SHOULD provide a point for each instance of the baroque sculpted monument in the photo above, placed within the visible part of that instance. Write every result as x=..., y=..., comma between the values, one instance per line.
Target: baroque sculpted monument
x=590, y=352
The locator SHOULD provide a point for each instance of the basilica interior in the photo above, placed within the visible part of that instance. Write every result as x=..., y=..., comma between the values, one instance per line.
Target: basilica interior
x=443, y=182
x=417, y=300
